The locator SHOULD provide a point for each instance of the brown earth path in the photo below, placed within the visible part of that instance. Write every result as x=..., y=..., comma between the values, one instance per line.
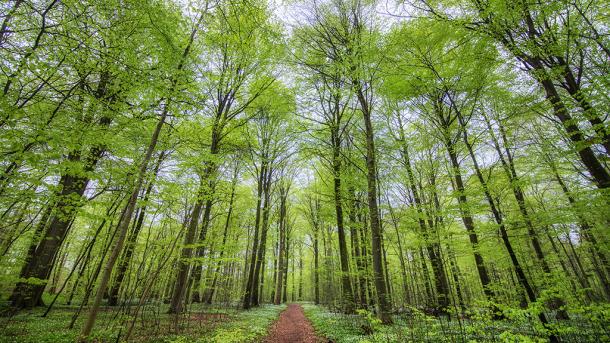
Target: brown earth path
x=292, y=327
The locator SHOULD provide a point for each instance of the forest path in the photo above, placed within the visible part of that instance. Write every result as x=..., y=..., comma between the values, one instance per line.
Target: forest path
x=291, y=327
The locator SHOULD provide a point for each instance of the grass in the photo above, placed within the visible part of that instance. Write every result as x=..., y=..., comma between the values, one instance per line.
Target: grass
x=201, y=324
x=249, y=326
x=417, y=327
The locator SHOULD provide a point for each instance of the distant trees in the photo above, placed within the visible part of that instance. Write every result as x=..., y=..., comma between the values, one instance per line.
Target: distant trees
x=269, y=150
x=238, y=57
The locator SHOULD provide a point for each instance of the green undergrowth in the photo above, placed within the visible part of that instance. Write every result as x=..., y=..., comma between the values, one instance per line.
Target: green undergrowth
x=246, y=326
x=364, y=327
x=201, y=324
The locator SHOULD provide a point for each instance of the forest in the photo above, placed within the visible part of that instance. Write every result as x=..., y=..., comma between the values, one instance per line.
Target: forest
x=304, y=171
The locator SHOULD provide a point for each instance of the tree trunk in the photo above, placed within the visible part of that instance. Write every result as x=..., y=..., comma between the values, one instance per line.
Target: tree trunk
x=125, y=260
x=521, y=277
x=468, y=221
x=346, y=285
x=384, y=306
x=131, y=204
x=282, y=248
x=316, y=261
x=401, y=256
x=597, y=255
x=225, y=235
x=40, y=263
x=255, y=237
x=441, y=282
x=358, y=256
x=179, y=292
x=511, y=174
x=599, y=174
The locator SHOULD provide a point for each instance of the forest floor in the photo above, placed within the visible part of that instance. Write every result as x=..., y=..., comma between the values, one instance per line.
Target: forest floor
x=292, y=326
x=201, y=324
x=415, y=326
x=298, y=322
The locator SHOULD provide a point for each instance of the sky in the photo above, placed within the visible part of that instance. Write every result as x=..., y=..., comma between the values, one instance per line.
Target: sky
x=289, y=12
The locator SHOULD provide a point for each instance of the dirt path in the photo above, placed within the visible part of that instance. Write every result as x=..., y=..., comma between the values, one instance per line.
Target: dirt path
x=292, y=327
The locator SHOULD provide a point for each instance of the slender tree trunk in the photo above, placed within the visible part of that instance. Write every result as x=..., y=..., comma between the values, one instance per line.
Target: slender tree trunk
x=207, y=190
x=83, y=257
x=455, y=271
x=386, y=269
x=256, y=280
x=384, y=305
x=346, y=285
x=131, y=204
x=225, y=235
x=286, y=259
x=282, y=248
x=401, y=256
x=358, y=256
x=106, y=246
x=316, y=268
x=275, y=266
x=251, y=295
x=468, y=221
x=427, y=285
x=329, y=294
x=511, y=173
x=598, y=256
x=58, y=269
x=247, y=302
x=521, y=276
x=179, y=292
x=125, y=260
x=441, y=282
x=300, y=273
x=366, y=262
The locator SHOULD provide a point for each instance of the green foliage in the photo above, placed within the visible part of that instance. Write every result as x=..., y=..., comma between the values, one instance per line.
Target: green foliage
x=241, y=326
x=415, y=326
x=249, y=325
x=30, y=328
x=336, y=327
x=372, y=322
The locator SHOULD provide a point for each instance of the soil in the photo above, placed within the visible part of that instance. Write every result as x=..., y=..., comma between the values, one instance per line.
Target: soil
x=292, y=327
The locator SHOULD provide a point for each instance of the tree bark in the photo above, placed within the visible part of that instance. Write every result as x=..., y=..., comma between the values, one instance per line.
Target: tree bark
x=256, y=279
x=247, y=302
x=280, y=285
x=521, y=277
x=41, y=260
x=384, y=305
x=346, y=285
x=125, y=260
x=468, y=221
x=225, y=235
x=131, y=204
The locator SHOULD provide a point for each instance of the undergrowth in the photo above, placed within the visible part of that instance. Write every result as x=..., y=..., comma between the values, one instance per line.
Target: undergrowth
x=201, y=324
x=415, y=326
